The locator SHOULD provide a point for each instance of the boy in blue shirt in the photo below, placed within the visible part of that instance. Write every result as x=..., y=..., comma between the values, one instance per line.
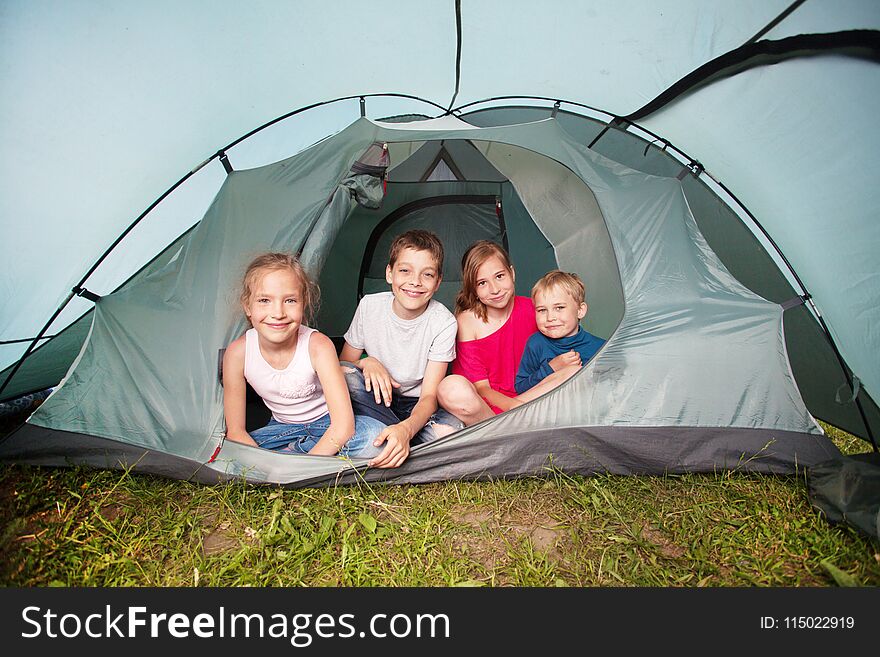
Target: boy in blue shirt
x=561, y=343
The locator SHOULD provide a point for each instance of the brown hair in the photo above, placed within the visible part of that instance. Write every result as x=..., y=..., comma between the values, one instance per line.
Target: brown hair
x=476, y=254
x=570, y=283
x=267, y=262
x=418, y=240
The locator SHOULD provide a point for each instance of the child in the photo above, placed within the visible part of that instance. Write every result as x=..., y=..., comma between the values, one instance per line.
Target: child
x=292, y=367
x=561, y=344
x=410, y=340
x=493, y=327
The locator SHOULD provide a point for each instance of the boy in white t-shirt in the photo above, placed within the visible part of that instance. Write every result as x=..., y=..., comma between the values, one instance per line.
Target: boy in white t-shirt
x=409, y=340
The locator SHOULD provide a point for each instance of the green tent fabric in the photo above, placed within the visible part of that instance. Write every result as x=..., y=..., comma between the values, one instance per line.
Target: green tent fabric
x=699, y=219
x=694, y=375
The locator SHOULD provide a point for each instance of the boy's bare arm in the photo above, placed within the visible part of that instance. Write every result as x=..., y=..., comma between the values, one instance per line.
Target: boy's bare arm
x=350, y=354
x=398, y=436
x=427, y=404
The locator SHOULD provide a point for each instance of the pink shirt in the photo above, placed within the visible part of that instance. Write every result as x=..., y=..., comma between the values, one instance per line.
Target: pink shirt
x=496, y=357
x=294, y=394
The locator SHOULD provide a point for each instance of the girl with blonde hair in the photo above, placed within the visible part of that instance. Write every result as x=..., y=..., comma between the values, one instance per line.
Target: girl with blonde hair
x=293, y=368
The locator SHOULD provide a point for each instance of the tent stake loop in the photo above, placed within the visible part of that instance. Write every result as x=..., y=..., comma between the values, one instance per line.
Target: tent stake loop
x=86, y=294
x=224, y=160
x=796, y=301
x=693, y=167
x=854, y=386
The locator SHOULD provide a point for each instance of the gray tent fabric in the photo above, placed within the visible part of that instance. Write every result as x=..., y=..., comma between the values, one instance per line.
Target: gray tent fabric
x=694, y=376
x=847, y=490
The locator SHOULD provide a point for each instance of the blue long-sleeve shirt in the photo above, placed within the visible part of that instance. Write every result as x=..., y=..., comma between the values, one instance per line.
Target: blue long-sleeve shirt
x=540, y=350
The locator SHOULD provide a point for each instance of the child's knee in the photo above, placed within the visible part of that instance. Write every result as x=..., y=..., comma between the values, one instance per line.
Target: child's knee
x=452, y=389
x=456, y=393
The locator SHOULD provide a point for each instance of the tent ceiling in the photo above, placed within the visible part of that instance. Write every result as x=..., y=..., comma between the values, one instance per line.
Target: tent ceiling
x=104, y=106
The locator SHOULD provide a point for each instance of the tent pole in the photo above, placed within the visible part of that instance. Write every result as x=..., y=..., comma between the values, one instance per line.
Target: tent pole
x=457, y=55
x=776, y=21
x=34, y=342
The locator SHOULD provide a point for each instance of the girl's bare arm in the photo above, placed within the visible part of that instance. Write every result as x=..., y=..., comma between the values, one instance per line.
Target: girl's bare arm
x=234, y=393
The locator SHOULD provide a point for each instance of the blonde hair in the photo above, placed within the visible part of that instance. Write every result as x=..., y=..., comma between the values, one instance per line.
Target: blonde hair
x=476, y=254
x=275, y=261
x=418, y=240
x=570, y=283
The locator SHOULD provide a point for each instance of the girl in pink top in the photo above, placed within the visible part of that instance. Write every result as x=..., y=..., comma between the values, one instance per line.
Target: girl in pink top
x=294, y=369
x=495, y=357
x=493, y=327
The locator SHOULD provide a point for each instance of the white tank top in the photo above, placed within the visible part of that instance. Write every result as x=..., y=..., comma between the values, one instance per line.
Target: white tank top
x=294, y=394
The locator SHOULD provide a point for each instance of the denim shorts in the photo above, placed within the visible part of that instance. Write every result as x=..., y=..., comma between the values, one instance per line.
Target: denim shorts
x=364, y=404
x=300, y=438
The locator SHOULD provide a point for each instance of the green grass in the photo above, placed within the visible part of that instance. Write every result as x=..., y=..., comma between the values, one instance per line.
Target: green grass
x=83, y=527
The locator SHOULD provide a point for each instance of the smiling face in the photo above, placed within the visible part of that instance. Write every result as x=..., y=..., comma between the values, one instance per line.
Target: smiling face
x=275, y=307
x=557, y=313
x=414, y=277
x=494, y=283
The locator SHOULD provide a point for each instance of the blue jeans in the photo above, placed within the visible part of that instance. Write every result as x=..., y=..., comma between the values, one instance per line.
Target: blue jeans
x=364, y=403
x=300, y=438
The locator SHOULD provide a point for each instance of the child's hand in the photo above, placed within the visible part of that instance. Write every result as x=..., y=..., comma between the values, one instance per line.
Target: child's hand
x=377, y=380
x=564, y=360
x=397, y=438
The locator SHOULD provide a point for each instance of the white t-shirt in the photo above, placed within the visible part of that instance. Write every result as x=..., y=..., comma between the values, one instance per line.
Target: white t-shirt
x=403, y=346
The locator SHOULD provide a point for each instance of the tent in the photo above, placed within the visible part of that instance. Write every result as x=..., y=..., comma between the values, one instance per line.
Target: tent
x=724, y=228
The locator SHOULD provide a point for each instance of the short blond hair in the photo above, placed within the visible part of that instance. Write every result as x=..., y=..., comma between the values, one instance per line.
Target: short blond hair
x=569, y=282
